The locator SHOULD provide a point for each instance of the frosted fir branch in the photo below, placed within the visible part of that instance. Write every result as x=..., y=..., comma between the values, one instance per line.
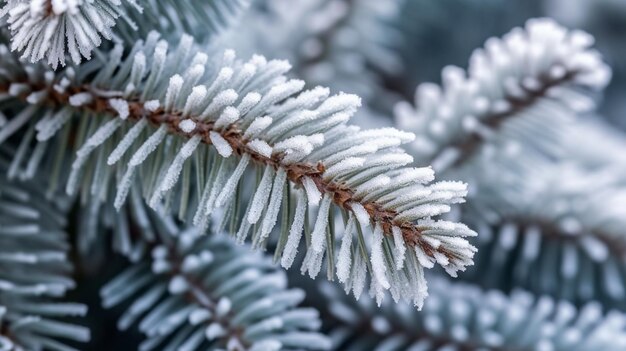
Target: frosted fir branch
x=460, y=316
x=34, y=270
x=534, y=79
x=52, y=29
x=565, y=222
x=234, y=115
x=219, y=296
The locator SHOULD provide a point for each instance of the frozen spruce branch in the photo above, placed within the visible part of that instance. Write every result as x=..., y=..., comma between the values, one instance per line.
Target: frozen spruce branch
x=202, y=292
x=239, y=139
x=560, y=232
x=49, y=30
x=461, y=316
x=532, y=81
x=34, y=270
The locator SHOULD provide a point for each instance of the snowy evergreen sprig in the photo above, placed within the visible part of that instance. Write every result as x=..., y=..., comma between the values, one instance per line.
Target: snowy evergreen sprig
x=460, y=316
x=201, y=292
x=185, y=131
x=50, y=29
x=541, y=74
x=543, y=227
x=34, y=271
